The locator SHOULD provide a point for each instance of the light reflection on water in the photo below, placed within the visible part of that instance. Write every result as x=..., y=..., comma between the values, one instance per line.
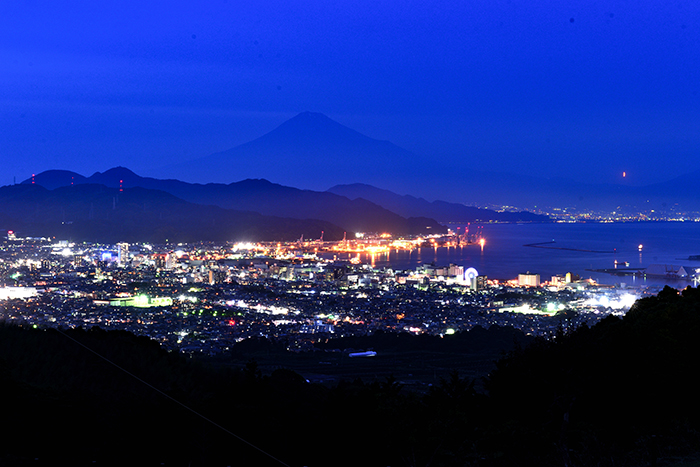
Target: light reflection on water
x=505, y=255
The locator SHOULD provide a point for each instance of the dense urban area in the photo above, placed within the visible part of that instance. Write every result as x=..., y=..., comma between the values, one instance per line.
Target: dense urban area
x=204, y=298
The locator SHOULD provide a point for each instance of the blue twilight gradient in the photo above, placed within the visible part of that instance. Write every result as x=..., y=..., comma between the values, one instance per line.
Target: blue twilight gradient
x=581, y=89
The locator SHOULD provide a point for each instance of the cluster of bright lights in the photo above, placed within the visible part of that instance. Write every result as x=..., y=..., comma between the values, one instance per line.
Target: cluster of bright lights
x=621, y=302
x=243, y=246
x=282, y=322
x=402, y=244
x=141, y=300
x=275, y=310
x=259, y=308
x=526, y=309
x=181, y=335
x=17, y=292
x=372, y=248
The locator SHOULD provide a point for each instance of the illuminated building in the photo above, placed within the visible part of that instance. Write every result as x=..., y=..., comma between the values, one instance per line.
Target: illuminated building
x=216, y=276
x=122, y=254
x=159, y=260
x=455, y=270
x=140, y=301
x=529, y=280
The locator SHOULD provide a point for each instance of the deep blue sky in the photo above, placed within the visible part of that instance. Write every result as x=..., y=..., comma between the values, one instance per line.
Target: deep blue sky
x=586, y=89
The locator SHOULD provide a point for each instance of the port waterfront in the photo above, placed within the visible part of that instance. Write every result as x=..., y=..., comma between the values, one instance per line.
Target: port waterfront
x=203, y=299
x=611, y=246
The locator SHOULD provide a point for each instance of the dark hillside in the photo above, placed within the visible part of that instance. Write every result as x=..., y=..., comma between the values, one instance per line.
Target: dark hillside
x=441, y=210
x=624, y=389
x=260, y=196
x=96, y=213
x=622, y=393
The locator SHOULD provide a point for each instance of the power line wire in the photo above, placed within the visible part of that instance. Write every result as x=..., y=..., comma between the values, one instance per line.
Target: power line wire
x=173, y=399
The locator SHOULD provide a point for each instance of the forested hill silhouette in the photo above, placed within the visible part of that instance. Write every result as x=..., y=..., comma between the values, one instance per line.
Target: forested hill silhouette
x=622, y=393
x=624, y=389
x=262, y=197
x=443, y=211
x=356, y=208
x=55, y=178
x=96, y=213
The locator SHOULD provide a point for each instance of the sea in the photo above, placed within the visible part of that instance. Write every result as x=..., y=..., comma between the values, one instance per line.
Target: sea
x=579, y=248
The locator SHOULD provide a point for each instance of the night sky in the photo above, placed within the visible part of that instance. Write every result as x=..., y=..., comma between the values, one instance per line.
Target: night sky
x=580, y=89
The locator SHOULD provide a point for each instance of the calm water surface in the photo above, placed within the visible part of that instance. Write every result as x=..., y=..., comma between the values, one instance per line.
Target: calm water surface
x=505, y=255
